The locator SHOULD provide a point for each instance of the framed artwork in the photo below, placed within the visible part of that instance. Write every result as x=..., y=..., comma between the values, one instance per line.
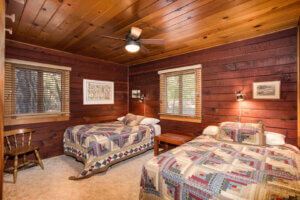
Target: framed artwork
x=98, y=92
x=135, y=94
x=266, y=90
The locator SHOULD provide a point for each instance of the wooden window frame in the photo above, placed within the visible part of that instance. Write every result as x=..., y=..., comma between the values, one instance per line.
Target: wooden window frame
x=176, y=71
x=10, y=118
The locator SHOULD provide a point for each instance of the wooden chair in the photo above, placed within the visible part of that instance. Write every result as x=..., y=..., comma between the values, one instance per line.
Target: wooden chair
x=20, y=148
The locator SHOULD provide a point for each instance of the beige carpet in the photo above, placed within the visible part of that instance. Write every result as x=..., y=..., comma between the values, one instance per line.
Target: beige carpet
x=118, y=183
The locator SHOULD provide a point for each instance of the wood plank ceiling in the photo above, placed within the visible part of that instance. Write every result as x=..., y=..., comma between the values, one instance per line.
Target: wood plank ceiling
x=187, y=25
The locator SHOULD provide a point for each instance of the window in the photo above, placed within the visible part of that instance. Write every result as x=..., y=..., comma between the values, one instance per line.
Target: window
x=35, y=92
x=180, y=93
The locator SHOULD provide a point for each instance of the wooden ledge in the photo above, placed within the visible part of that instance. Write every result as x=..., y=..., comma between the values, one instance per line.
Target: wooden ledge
x=181, y=118
x=40, y=119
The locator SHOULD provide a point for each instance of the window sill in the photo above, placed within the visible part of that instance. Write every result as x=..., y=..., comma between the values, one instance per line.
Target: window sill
x=34, y=119
x=180, y=118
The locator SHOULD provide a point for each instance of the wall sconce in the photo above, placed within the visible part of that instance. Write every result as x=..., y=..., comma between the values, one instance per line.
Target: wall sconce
x=239, y=96
x=142, y=98
x=9, y=30
x=12, y=17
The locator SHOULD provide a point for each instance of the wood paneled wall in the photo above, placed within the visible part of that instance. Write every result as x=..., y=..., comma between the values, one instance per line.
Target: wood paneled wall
x=266, y=58
x=49, y=136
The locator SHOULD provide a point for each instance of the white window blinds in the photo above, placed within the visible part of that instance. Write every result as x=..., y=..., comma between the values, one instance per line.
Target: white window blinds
x=180, y=91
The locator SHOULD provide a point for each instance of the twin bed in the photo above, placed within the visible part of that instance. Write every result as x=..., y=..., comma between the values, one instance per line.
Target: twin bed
x=225, y=166
x=235, y=164
x=100, y=145
x=206, y=168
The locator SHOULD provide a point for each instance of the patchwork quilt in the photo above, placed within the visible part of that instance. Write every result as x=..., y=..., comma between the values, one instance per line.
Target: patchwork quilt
x=205, y=168
x=99, y=145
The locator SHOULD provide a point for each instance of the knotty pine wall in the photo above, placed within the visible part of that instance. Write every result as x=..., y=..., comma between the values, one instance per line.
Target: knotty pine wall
x=49, y=136
x=265, y=58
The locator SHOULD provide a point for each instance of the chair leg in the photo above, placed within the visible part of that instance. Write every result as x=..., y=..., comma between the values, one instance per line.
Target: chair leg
x=38, y=158
x=24, y=158
x=5, y=160
x=15, y=169
x=166, y=146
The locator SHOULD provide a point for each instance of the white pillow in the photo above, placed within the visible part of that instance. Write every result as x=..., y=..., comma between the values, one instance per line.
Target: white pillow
x=148, y=121
x=274, y=138
x=120, y=118
x=211, y=130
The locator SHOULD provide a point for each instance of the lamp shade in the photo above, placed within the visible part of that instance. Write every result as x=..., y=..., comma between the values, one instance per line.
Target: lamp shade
x=132, y=47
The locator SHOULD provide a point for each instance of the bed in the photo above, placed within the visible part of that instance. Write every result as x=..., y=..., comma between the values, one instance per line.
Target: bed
x=100, y=145
x=208, y=168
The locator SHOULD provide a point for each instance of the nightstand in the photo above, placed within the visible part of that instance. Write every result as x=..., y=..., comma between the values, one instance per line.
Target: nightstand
x=169, y=138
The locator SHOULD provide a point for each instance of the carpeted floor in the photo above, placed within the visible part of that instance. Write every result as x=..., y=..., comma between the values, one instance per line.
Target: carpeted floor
x=118, y=183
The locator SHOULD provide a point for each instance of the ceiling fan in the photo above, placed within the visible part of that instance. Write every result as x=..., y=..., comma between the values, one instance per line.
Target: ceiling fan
x=133, y=42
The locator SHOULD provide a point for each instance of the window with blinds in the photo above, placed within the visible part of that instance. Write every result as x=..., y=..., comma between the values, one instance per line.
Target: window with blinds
x=35, y=90
x=180, y=93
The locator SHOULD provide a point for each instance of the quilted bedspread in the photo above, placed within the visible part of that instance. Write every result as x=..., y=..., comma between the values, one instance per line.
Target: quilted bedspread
x=205, y=168
x=98, y=145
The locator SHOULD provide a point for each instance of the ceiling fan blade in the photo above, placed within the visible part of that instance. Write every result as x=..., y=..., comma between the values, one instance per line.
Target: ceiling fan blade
x=135, y=32
x=144, y=49
x=119, y=47
x=114, y=38
x=152, y=41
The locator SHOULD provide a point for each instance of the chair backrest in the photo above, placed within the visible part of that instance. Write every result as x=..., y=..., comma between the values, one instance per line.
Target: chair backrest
x=16, y=135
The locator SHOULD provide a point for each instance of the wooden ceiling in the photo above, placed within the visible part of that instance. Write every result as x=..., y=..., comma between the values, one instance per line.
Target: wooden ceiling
x=76, y=26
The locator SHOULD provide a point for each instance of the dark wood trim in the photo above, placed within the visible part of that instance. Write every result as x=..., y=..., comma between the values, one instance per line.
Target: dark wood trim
x=298, y=83
x=2, y=48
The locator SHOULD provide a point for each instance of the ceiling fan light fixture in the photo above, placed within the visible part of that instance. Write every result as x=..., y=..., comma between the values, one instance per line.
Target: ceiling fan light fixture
x=132, y=47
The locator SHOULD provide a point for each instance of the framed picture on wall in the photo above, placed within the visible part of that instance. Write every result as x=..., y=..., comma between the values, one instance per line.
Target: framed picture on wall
x=266, y=90
x=135, y=94
x=98, y=92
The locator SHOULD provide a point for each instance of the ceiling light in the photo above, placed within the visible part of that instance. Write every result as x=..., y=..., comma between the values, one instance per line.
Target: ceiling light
x=132, y=47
